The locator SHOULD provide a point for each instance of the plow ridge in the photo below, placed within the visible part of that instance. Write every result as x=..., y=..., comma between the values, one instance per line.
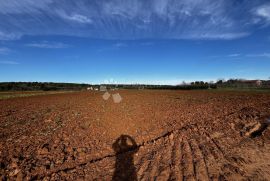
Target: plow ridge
x=186, y=153
x=184, y=156
x=70, y=165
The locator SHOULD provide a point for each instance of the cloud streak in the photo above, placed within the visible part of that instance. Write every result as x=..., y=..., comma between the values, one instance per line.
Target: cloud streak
x=9, y=62
x=78, y=18
x=9, y=36
x=234, y=55
x=262, y=55
x=49, y=45
x=4, y=51
x=120, y=45
x=242, y=56
x=116, y=46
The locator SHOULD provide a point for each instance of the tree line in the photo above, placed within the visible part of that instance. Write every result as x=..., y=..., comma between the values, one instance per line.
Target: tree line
x=40, y=86
x=52, y=86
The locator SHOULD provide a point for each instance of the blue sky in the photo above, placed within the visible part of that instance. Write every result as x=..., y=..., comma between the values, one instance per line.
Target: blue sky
x=134, y=41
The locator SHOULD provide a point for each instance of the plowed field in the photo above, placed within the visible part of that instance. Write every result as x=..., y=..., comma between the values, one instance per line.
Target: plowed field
x=149, y=135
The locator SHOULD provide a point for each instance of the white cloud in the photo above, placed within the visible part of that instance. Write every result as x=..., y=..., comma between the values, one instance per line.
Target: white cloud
x=9, y=62
x=80, y=18
x=75, y=17
x=264, y=11
x=4, y=50
x=46, y=44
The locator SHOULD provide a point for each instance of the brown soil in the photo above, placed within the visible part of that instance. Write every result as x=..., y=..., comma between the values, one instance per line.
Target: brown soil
x=150, y=135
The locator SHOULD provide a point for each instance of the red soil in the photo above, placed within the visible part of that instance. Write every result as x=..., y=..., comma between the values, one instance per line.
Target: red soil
x=166, y=135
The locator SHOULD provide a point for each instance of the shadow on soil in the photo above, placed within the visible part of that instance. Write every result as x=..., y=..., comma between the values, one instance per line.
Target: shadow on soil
x=125, y=147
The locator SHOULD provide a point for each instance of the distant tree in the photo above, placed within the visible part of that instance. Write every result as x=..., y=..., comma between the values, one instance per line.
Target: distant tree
x=220, y=81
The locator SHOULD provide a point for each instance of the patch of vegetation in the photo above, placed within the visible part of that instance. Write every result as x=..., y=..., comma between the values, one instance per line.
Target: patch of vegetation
x=8, y=95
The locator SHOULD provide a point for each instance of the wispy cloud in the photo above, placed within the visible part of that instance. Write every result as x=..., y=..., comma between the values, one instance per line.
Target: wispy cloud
x=9, y=62
x=263, y=55
x=4, y=50
x=120, y=45
x=234, y=55
x=78, y=18
x=263, y=12
x=131, y=19
x=50, y=45
x=21, y=7
x=9, y=36
x=147, y=43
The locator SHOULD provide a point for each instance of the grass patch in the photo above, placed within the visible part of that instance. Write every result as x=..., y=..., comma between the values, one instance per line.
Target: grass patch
x=14, y=94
